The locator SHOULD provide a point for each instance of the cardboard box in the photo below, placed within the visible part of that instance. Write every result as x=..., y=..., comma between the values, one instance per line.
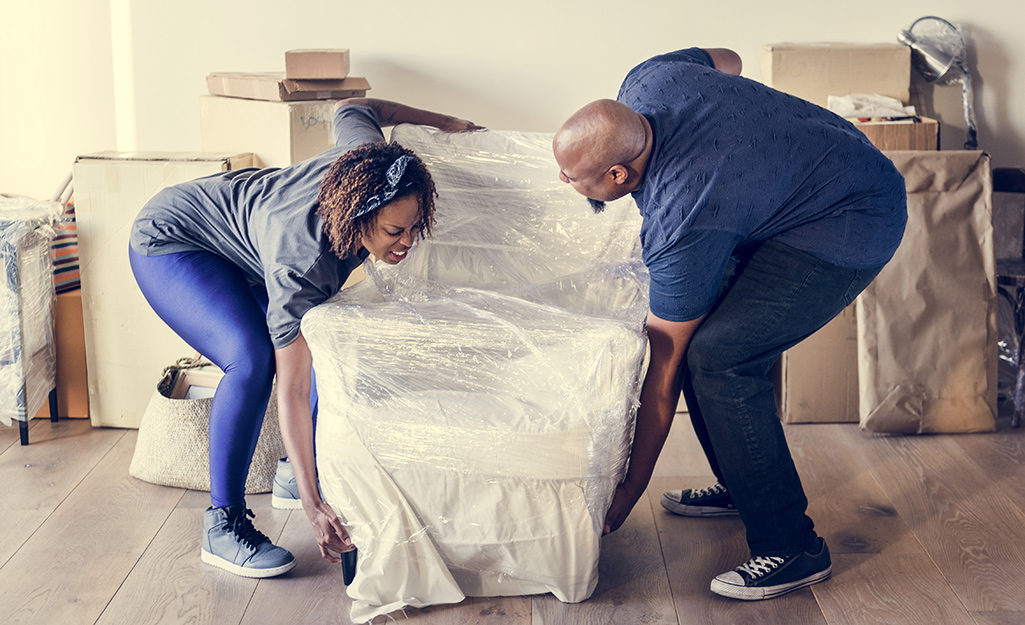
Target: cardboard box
x=817, y=379
x=126, y=345
x=274, y=87
x=815, y=71
x=923, y=135
x=277, y=133
x=322, y=64
x=72, y=386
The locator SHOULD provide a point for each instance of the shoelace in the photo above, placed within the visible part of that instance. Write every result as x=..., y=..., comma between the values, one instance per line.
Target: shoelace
x=759, y=566
x=715, y=489
x=245, y=531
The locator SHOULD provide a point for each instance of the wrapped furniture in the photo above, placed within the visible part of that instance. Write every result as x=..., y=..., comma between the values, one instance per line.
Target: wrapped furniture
x=27, y=347
x=477, y=399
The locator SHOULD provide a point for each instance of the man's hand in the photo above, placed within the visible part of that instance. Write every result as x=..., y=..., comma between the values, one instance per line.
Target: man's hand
x=622, y=503
x=328, y=530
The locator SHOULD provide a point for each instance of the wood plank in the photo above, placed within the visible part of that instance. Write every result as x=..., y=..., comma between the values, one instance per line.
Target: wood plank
x=696, y=550
x=888, y=588
x=39, y=476
x=682, y=454
x=75, y=562
x=849, y=508
x=1001, y=455
x=971, y=530
x=632, y=584
x=171, y=585
x=999, y=617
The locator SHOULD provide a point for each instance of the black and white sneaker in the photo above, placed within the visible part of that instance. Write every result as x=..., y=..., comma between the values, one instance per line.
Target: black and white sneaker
x=711, y=501
x=768, y=577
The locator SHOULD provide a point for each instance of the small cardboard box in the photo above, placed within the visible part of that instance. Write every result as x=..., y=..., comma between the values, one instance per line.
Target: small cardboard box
x=274, y=87
x=817, y=379
x=922, y=135
x=321, y=64
x=277, y=133
x=72, y=386
x=126, y=345
x=815, y=71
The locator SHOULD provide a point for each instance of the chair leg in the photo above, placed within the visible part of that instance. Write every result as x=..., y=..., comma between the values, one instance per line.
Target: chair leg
x=23, y=430
x=53, y=406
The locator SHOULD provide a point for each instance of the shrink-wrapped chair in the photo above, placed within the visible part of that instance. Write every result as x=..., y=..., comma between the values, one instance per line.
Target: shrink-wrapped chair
x=28, y=361
x=477, y=399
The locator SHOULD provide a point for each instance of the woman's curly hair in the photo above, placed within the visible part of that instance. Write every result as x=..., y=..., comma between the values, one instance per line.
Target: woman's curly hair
x=358, y=175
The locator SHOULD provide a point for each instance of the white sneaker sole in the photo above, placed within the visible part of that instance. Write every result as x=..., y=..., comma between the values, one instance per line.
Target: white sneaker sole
x=695, y=511
x=745, y=593
x=285, y=503
x=221, y=563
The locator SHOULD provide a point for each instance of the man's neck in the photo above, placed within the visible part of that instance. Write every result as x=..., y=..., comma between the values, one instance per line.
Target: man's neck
x=640, y=163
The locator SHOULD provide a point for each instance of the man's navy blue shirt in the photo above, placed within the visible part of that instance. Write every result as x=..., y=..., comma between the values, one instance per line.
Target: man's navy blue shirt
x=735, y=162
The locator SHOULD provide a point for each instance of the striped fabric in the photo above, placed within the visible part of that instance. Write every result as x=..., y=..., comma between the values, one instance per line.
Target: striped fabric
x=64, y=252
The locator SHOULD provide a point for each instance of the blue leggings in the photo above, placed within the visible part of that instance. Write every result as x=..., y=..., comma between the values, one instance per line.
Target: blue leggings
x=210, y=304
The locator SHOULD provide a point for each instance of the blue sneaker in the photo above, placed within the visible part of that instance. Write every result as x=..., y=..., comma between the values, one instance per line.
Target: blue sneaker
x=230, y=542
x=768, y=577
x=284, y=490
x=700, y=502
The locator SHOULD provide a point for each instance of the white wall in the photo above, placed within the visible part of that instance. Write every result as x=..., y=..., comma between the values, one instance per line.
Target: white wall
x=523, y=65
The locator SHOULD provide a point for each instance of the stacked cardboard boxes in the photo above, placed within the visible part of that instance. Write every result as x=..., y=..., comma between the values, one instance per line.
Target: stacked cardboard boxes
x=815, y=71
x=281, y=117
x=817, y=380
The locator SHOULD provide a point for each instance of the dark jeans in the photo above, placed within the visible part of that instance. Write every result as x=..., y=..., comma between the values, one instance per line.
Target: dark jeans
x=771, y=298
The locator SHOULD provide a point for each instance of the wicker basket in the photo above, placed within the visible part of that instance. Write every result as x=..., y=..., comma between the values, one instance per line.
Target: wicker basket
x=173, y=447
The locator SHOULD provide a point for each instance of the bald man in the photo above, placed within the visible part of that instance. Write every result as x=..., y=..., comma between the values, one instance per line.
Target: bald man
x=763, y=217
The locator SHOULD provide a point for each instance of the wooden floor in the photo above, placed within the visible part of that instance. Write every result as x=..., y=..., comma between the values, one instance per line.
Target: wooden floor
x=927, y=529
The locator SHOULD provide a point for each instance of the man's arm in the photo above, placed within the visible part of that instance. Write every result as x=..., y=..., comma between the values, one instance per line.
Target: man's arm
x=392, y=113
x=668, y=342
x=725, y=60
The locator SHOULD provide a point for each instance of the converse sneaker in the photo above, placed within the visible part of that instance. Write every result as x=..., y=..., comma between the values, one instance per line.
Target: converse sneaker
x=232, y=543
x=711, y=501
x=768, y=577
x=284, y=490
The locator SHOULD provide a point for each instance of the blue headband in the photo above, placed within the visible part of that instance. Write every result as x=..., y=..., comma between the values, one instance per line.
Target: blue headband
x=394, y=177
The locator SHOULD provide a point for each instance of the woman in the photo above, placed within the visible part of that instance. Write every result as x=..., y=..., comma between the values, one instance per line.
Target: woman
x=231, y=262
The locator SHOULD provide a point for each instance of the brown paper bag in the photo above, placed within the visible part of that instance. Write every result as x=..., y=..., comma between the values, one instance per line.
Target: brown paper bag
x=927, y=329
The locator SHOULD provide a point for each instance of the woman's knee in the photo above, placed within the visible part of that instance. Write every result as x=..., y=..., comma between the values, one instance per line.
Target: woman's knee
x=252, y=362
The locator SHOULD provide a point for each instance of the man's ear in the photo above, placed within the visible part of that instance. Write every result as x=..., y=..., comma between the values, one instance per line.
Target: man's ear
x=619, y=174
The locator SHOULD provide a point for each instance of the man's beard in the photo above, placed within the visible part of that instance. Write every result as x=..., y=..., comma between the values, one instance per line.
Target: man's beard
x=596, y=205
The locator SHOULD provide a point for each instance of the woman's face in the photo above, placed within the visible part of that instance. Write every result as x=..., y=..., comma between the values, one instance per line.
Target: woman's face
x=395, y=230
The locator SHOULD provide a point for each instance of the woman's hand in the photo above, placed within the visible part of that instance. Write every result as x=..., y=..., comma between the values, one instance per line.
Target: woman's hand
x=623, y=501
x=454, y=124
x=328, y=530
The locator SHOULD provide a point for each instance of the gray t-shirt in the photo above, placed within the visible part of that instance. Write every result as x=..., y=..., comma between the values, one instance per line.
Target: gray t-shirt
x=265, y=222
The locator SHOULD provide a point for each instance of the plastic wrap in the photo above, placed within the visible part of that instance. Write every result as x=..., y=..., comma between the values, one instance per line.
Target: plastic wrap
x=1007, y=345
x=477, y=399
x=27, y=347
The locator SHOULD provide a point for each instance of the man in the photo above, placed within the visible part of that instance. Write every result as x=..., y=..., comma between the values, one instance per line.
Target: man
x=763, y=217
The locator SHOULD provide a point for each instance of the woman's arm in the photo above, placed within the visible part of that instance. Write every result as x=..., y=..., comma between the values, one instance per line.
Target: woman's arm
x=293, y=370
x=392, y=113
